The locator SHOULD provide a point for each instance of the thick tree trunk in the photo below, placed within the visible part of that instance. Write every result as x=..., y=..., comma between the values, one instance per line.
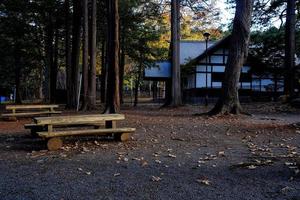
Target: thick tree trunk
x=75, y=54
x=93, y=56
x=68, y=50
x=290, y=43
x=112, y=95
x=85, y=55
x=176, y=77
x=49, y=29
x=103, y=71
x=238, y=51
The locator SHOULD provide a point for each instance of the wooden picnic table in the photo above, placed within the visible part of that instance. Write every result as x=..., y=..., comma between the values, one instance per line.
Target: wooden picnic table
x=29, y=111
x=54, y=137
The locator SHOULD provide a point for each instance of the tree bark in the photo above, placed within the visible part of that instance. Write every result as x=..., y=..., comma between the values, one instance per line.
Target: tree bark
x=75, y=54
x=54, y=69
x=122, y=68
x=49, y=32
x=103, y=71
x=290, y=42
x=93, y=56
x=175, y=39
x=238, y=52
x=85, y=55
x=137, y=85
x=168, y=84
x=112, y=95
x=17, y=62
x=68, y=50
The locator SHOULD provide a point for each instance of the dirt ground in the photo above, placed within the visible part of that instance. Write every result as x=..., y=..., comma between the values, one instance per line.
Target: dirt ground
x=172, y=155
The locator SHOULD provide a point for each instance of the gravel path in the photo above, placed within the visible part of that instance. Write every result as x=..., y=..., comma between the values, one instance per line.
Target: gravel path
x=172, y=155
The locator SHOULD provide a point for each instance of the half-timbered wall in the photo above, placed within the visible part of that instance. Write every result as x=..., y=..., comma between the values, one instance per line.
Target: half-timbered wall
x=210, y=72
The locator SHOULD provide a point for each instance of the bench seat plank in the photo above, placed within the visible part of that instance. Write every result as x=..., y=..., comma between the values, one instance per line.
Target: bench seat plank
x=16, y=107
x=79, y=119
x=84, y=132
x=30, y=113
x=29, y=126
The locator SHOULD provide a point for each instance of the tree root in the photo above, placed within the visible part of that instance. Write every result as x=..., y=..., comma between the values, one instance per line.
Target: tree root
x=222, y=108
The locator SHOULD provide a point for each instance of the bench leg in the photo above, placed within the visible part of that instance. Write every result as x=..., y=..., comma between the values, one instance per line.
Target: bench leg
x=54, y=144
x=123, y=137
x=110, y=124
x=36, y=129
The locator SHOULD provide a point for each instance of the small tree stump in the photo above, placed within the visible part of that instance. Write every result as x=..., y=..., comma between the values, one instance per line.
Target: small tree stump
x=123, y=137
x=54, y=144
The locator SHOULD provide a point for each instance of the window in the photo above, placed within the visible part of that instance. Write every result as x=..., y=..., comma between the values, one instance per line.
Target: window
x=217, y=84
x=201, y=80
x=219, y=69
x=218, y=59
x=202, y=68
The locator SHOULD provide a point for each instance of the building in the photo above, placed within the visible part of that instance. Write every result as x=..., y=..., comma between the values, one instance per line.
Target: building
x=203, y=72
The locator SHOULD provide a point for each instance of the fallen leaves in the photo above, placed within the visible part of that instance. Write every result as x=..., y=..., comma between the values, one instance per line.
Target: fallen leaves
x=84, y=171
x=253, y=164
x=117, y=174
x=171, y=155
x=221, y=153
x=204, y=181
x=156, y=178
x=251, y=167
x=158, y=161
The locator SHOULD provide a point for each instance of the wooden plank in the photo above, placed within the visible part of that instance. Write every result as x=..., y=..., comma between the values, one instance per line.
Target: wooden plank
x=29, y=114
x=85, y=132
x=78, y=119
x=99, y=124
x=29, y=126
x=12, y=107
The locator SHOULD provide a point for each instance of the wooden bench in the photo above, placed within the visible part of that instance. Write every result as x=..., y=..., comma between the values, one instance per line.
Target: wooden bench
x=54, y=137
x=29, y=111
x=34, y=128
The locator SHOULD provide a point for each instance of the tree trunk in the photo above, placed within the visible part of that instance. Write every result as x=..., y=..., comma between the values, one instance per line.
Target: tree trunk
x=54, y=70
x=17, y=60
x=122, y=68
x=103, y=71
x=175, y=39
x=290, y=43
x=112, y=95
x=49, y=57
x=137, y=85
x=168, y=84
x=75, y=54
x=68, y=51
x=85, y=55
x=93, y=56
x=238, y=51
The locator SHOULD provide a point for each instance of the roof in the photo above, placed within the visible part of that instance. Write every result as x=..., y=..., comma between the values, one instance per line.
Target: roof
x=213, y=48
x=189, y=50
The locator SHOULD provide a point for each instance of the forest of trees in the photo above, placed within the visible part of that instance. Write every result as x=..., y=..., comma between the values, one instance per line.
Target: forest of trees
x=42, y=41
